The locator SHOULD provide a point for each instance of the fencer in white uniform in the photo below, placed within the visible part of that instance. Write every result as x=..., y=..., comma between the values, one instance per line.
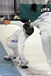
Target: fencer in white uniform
x=16, y=42
x=44, y=24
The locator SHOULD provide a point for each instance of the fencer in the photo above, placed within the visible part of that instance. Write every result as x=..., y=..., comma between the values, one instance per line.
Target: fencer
x=44, y=24
x=16, y=42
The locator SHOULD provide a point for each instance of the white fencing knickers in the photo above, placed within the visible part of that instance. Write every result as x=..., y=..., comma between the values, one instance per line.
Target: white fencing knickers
x=46, y=43
x=13, y=46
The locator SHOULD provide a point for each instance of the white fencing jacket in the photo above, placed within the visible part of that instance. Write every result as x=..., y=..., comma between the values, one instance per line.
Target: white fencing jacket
x=18, y=38
x=43, y=22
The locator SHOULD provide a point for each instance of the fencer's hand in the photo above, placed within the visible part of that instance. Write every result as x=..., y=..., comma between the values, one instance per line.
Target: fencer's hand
x=6, y=22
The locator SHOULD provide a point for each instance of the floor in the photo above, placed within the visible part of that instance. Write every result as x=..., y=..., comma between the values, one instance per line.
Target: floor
x=7, y=68
x=33, y=52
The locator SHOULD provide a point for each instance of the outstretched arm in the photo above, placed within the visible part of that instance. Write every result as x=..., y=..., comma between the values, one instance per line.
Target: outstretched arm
x=35, y=23
x=18, y=23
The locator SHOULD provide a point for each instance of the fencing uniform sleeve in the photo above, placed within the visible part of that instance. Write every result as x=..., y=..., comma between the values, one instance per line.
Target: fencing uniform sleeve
x=18, y=23
x=35, y=23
